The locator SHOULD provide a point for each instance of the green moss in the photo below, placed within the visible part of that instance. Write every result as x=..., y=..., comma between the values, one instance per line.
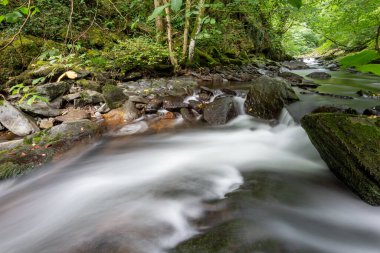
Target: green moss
x=113, y=96
x=350, y=146
x=16, y=58
x=358, y=59
x=370, y=68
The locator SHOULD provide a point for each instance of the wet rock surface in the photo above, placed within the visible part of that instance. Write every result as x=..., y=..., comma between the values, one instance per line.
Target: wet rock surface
x=267, y=96
x=220, y=111
x=319, y=75
x=350, y=146
x=35, y=150
x=16, y=121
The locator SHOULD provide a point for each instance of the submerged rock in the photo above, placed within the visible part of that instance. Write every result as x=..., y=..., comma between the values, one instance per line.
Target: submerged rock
x=267, y=96
x=319, y=75
x=292, y=65
x=350, y=146
x=220, y=111
x=15, y=121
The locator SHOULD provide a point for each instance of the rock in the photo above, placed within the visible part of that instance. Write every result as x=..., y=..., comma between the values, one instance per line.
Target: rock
x=267, y=96
x=114, y=96
x=130, y=111
x=220, y=111
x=350, y=146
x=8, y=145
x=196, y=105
x=292, y=65
x=1, y=127
x=46, y=123
x=74, y=115
x=15, y=121
x=37, y=149
x=319, y=75
x=173, y=103
x=188, y=115
x=374, y=111
x=138, y=99
x=54, y=90
x=332, y=67
x=335, y=109
x=71, y=97
x=103, y=108
x=292, y=77
x=40, y=108
x=153, y=105
x=120, y=116
x=88, y=97
x=73, y=130
x=368, y=94
x=228, y=92
x=89, y=85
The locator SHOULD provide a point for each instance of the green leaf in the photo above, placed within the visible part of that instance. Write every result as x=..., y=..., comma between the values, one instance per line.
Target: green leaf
x=176, y=5
x=2, y=17
x=31, y=100
x=158, y=11
x=23, y=10
x=4, y=2
x=13, y=17
x=295, y=3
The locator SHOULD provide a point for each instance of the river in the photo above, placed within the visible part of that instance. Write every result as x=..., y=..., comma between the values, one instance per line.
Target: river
x=148, y=193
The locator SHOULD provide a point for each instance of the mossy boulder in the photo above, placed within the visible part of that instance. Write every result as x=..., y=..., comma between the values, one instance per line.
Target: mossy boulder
x=350, y=145
x=38, y=149
x=267, y=96
x=113, y=96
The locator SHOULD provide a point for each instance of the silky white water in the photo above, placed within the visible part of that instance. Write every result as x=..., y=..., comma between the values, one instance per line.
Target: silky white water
x=143, y=194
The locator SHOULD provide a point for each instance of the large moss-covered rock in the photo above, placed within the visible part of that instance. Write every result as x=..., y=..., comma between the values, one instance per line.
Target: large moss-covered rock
x=35, y=150
x=350, y=145
x=267, y=96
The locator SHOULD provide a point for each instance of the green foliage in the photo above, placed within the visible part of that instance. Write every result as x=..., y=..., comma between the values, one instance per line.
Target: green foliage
x=370, y=68
x=299, y=40
x=135, y=53
x=358, y=59
x=27, y=93
x=296, y=3
x=158, y=11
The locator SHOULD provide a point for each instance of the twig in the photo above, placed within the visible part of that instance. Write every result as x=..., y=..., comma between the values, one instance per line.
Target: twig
x=21, y=27
x=70, y=20
x=89, y=27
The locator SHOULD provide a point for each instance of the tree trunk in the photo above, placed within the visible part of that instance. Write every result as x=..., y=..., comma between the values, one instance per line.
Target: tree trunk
x=159, y=22
x=186, y=30
x=197, y=29
x=377, y=40
x=173, y=59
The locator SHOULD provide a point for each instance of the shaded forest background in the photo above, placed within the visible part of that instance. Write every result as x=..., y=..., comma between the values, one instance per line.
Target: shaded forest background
x=120, y=36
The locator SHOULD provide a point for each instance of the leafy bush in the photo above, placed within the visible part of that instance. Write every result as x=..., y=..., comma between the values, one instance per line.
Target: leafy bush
x=134, y=53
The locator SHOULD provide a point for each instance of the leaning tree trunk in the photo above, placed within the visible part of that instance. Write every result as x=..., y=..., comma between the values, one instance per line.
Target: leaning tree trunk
x=378, y=40
x=186, y=29
x=159, y=22
x=197, y=29
x=173, y=59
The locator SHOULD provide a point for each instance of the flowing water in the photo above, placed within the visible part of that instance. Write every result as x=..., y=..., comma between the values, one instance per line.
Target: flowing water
x=145, y=194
